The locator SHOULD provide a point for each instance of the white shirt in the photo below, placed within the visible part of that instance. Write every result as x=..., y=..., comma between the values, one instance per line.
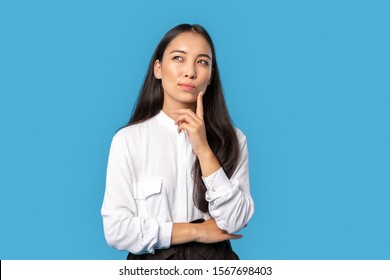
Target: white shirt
x=149, y=187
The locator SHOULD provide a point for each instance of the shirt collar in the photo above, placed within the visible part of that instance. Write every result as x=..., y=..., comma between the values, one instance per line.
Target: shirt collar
x=165, y=120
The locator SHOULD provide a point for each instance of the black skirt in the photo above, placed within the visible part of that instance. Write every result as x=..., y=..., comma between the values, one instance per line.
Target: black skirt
x=191, y=251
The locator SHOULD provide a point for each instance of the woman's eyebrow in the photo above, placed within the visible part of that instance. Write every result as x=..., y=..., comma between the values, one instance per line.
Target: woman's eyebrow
x=204, y=54
x=199, y=55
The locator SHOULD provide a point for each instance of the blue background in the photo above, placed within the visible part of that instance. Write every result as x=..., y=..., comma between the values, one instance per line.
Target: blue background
x=306, y=81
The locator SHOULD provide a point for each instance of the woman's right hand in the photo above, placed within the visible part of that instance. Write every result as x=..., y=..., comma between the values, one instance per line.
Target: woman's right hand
x=209, y=232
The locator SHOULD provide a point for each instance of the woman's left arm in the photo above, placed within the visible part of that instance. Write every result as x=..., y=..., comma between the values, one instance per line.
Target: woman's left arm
x=230, y=202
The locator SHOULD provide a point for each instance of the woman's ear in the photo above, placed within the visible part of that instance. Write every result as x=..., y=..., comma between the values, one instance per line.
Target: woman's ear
x=157, y=69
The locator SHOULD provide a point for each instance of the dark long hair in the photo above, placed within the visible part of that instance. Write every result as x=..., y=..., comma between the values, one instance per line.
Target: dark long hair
x=220, y=132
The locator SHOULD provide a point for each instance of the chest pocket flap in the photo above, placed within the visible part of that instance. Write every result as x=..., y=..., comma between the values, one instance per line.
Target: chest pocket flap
x=147, y=187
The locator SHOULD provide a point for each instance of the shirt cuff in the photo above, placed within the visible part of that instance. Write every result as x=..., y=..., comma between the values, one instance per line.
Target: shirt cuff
x=218, y=181
x=164, y=236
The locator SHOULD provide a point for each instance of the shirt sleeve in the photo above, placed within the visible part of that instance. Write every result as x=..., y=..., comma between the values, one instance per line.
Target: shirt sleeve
x=230, y=202
x=123, y=229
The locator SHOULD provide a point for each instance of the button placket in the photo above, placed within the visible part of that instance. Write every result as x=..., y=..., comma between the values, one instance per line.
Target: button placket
x=182, y=175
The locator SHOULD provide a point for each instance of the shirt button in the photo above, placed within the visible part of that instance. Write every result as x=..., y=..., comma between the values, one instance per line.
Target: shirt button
x=213, y=189
x=212, y=202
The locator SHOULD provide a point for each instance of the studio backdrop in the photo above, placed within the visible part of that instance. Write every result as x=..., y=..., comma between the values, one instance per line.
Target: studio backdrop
x=306, y=81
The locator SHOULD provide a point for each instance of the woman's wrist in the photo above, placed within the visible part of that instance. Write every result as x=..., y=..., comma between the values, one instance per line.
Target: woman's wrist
x=208, y=162
x=183, y=233
x=193, y=232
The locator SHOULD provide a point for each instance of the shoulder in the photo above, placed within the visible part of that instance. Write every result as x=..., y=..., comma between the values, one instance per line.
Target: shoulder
x=240, y=135
x=242, y=142
x=131, y=133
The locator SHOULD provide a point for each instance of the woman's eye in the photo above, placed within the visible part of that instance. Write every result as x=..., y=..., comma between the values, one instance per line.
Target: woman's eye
x=179, y=58
x=203, y=62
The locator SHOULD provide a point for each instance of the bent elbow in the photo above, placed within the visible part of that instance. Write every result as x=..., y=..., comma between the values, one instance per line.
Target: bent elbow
x=240, y=221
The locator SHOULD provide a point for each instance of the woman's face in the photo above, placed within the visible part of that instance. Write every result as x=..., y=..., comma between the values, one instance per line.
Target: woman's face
x=185, y=69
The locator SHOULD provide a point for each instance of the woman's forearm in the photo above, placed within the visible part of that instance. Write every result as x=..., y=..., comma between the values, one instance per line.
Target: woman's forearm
x=182, y=233
x=208, y=162
x=206, y=232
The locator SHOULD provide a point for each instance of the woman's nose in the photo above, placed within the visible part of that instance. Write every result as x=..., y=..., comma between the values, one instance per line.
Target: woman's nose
x=190, y=71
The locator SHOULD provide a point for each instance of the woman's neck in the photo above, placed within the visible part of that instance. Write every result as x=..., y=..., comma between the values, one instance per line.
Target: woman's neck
x=168, y=108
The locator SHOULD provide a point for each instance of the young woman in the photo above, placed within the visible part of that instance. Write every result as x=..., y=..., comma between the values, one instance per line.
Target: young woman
x=177, y=177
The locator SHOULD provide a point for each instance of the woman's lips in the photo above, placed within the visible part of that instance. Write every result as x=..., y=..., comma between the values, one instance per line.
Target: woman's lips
x=187, y=87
